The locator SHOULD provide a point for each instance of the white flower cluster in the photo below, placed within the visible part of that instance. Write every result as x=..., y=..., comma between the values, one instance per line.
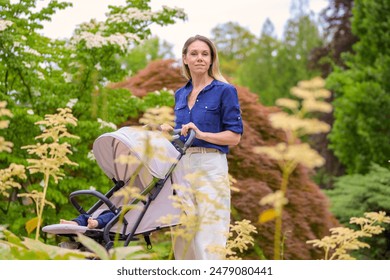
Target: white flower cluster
x=106, y=124
x=131, y=15
x=26, y=49
x=180, y=11
x=40, y=75
x=91, y=156
x=72, y=102
x=27, y=65
x=93, y=25
x=67, y=77
x=98, y=40
x=4, y=24
x=31, y=51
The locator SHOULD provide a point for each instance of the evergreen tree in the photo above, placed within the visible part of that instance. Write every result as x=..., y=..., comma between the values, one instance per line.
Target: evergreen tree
x=234, y=44
x=259, y=70
x=353, y=195
x=361, y=129
x=275, y=66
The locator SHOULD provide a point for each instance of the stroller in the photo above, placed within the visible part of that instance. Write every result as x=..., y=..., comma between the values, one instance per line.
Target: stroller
x=152, y=177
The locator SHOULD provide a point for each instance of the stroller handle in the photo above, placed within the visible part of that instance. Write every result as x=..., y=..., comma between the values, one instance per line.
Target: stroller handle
x=192, y=134
x=73, y=195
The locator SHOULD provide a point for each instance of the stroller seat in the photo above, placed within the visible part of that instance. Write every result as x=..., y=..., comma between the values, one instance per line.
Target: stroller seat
x=156, y=157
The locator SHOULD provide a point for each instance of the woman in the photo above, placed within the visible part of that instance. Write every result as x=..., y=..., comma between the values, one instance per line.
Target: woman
x=208, y=105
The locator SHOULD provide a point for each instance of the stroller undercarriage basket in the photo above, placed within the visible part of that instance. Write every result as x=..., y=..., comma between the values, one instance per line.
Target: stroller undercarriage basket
x=157, y=158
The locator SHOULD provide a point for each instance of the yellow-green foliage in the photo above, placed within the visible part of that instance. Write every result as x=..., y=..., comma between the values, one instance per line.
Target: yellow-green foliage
x=117, y=253
x=51, y=156
x=296, y=124
x=160, y=115
x=8, y=175
x=4, y=145
x=343, y=240
x=13, y=248
x=240, y=238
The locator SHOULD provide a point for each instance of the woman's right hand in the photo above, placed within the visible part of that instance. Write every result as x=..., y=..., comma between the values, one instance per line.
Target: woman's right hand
x=166, y=127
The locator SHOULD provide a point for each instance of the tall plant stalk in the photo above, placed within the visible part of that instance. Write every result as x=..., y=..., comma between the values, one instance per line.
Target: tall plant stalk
x=50, y=157
x=288, y=155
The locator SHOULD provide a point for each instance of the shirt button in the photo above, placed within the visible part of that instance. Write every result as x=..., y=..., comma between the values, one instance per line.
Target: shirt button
x=206, y=107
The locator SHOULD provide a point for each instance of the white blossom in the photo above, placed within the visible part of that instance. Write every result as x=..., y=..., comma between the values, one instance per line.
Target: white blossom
x=30, y=112
x=131, y=14
x=91, y=156
x=98, y=40
x=4, y=24
x=72, y=102
x=67, y=77
x=40, y=75
x=180, y=11
x=27, y=65
x=104, y=124
x=98, y=67
x=31, y=51
x=104, y=82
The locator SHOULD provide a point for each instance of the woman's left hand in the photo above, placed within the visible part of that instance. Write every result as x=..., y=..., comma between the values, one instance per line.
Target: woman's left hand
x=186, y=127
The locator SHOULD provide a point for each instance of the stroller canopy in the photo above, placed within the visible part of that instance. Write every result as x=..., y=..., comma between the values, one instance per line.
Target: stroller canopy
x=151, y=148
x=149, y=154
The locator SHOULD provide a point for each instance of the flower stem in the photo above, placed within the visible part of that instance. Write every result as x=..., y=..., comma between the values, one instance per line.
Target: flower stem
x=42, y=204
x=287, y=170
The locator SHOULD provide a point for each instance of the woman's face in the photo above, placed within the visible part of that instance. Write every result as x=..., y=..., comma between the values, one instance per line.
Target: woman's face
x=198, y=58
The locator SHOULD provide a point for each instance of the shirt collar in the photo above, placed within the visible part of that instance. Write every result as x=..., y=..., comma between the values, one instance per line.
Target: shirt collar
x=189, y=85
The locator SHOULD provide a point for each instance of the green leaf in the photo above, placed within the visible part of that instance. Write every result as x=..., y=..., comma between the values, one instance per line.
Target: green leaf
x=95, y=247
x=125, y=253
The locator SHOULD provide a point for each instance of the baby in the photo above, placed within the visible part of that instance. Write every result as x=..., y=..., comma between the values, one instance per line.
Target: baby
x=86, y=220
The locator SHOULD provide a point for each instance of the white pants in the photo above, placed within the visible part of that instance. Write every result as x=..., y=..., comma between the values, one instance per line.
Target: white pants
x=206, y=196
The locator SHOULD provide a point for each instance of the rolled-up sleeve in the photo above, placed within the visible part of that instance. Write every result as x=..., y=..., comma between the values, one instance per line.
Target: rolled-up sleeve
x=231, y=111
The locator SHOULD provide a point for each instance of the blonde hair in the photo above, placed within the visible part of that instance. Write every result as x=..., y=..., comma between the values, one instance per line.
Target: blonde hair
x=213, y=71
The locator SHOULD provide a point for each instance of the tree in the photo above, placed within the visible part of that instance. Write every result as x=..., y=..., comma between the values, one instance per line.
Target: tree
x=339, y=37
x=274, y=66
x=234, y=44
x=355, y=194
x=361, y=128
x=39, y=75
x=149, y=50
x=259, y=70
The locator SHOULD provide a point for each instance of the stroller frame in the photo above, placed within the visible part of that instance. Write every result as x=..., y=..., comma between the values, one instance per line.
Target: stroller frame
x=150, y=192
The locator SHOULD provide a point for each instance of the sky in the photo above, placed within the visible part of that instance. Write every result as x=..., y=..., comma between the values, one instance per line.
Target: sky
x=203, y=16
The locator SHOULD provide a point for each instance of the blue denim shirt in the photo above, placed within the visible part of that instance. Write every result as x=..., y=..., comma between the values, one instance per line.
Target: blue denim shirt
x=216, y=109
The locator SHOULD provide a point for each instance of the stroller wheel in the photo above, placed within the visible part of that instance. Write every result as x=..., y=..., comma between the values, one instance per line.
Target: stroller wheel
x=69, y=245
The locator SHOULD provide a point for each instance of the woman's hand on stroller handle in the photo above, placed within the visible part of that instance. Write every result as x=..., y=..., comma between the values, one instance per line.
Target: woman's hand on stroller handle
x=178, y=131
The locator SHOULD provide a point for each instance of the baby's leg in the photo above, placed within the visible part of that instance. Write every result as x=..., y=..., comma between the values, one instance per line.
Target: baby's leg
x=68, y=222
x=81, y=220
